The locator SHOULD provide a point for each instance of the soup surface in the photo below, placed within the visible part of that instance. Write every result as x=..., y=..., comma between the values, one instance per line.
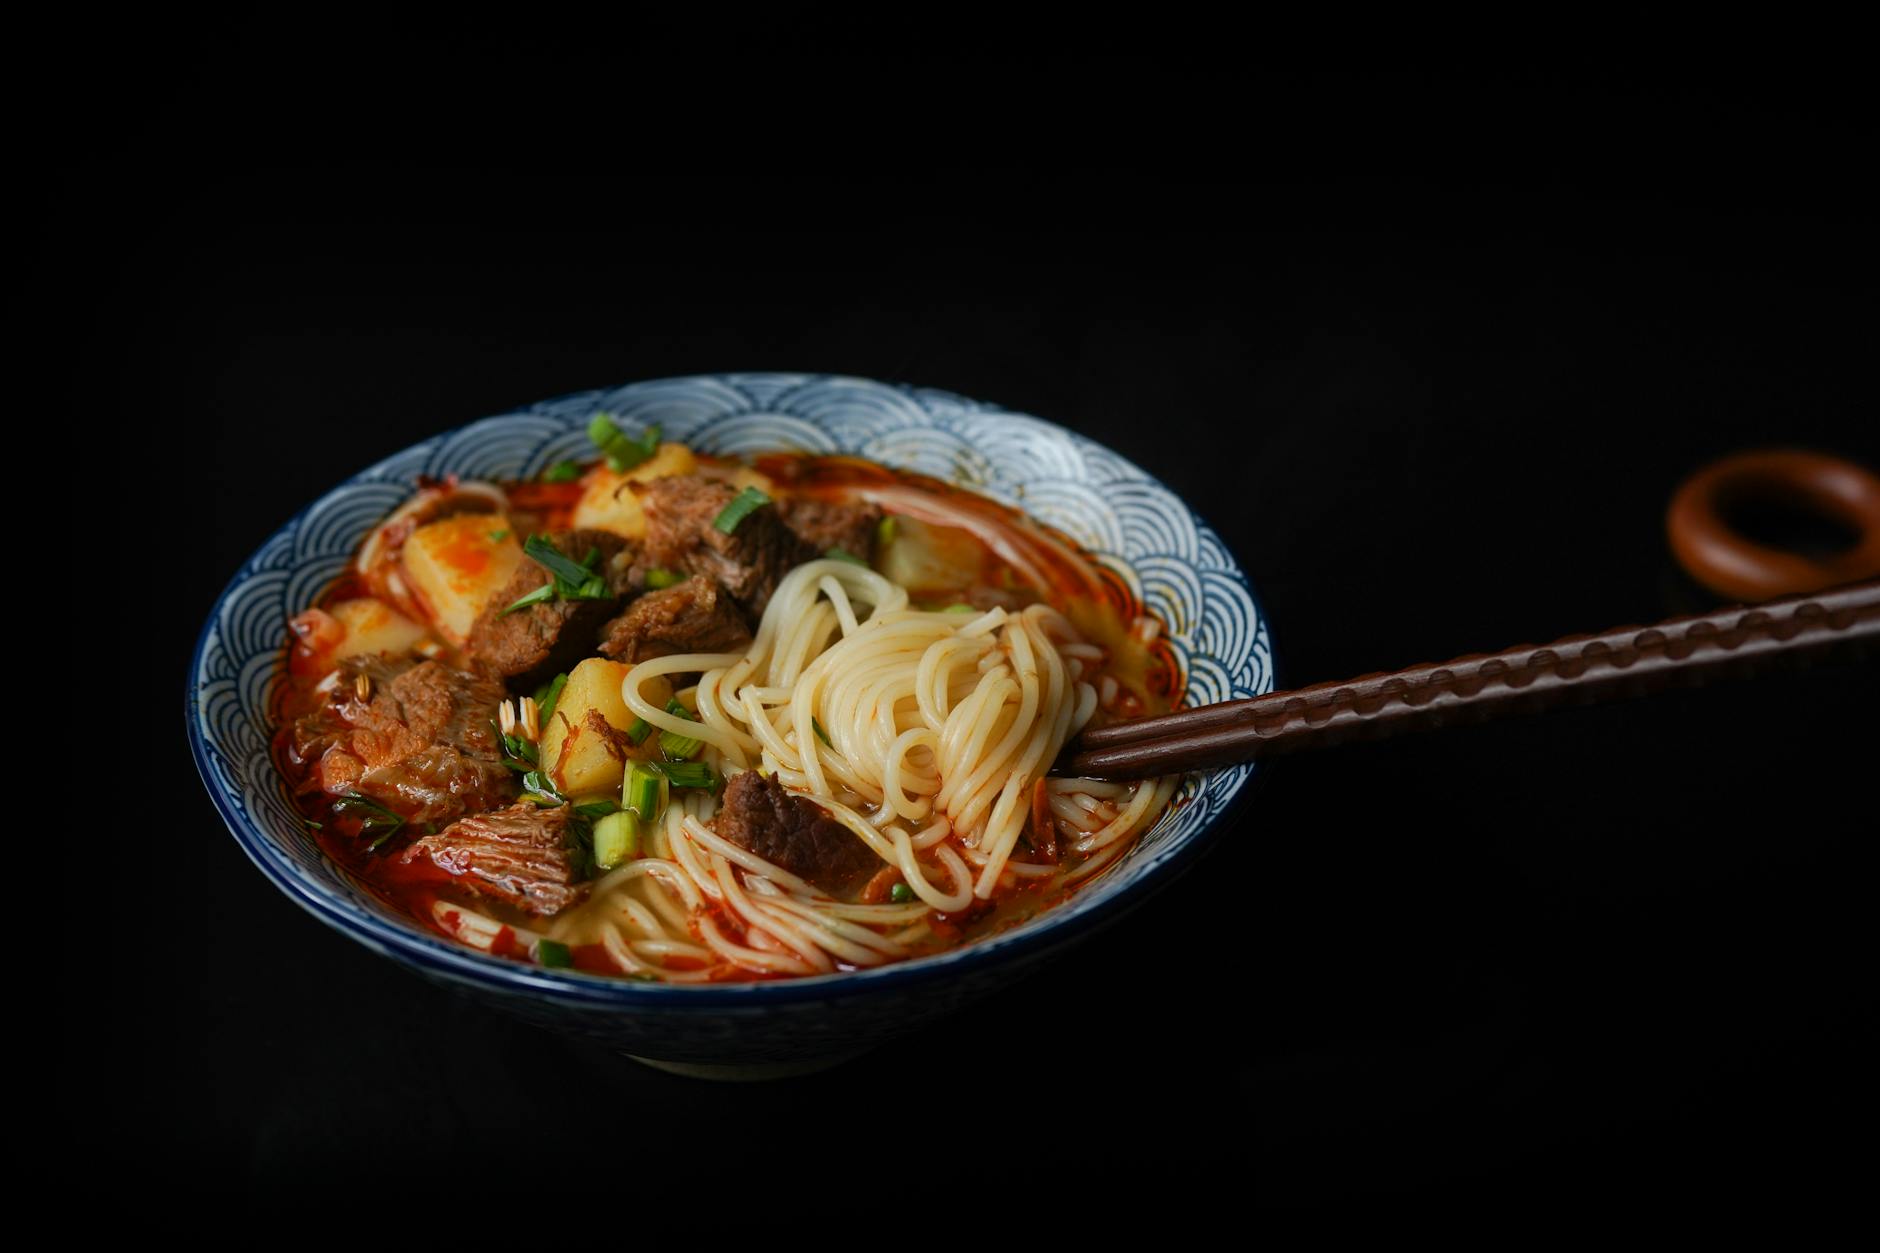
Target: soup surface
x=676, y=717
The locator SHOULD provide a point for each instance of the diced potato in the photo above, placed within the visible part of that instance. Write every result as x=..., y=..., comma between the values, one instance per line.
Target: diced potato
x=457, y=564
x=608, y=504
x=926, y=558
x=372, y=626
x=578, y=757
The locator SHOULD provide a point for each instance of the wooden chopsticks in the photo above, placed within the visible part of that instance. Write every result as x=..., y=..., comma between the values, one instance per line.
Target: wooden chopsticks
x=1580, y=669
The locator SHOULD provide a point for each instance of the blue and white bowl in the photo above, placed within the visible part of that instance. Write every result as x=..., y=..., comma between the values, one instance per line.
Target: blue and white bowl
x=1136, y=526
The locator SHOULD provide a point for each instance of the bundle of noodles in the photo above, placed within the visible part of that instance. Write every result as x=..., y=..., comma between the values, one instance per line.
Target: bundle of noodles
x=927, y=735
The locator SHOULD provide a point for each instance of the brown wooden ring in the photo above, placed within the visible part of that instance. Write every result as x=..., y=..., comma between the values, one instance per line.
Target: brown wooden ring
x=1740, y=569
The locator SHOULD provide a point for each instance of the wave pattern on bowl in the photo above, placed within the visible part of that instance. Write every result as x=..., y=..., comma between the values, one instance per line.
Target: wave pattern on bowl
x=1179, y=566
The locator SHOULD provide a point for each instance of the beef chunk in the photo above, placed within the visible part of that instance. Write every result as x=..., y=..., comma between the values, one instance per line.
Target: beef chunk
x=695, y=616
x=787, y=830
x=826, y=524
x=680, y=536
x=521, y=856
x=532, y=645
x=420, y=742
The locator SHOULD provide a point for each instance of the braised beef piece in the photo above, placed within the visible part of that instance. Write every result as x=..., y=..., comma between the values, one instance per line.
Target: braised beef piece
x=695, y=616
x=760, y=814
x=420, y=742
x=533, y=645
x=680, y=536
x=827, y=524
x=521, y=856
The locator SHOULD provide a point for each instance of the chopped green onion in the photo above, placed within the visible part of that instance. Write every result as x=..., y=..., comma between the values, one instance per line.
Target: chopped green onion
x=552, y=559
x=901, y=894
x=616, y=839
x=314, y=826
x=562, y=472
x=843, y=554
x=623, y=451
x=536, y=787
x=884, y=530
x=820, y=733
x=697, y=774
x=643, y=791
x=372, y=816
x=638, y=732
x=596, y=809
x=659, y=580
x=544, y=593
x=959, y=607
x=518, y=754
x=553, y=953
x=497, y=537
x=568, y=580
x=746, y=503
x=679, y=747
x=546, y=696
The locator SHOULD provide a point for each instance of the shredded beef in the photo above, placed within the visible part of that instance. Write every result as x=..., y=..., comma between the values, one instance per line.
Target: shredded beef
x=785, y=829
x=680, y=536
x=520, y=856
x=420, y=742
x=695, y=616
x=532, y=645
x=827, y=524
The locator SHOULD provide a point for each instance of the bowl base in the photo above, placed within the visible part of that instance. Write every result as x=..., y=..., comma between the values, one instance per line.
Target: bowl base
x=751, y=1072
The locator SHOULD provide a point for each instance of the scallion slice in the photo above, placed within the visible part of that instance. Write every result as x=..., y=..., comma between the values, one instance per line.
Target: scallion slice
x=638, y=732
x=562, y=472
x=540, y=595
x=746, y=503
x=568, y=579
x=373, y=817
x=884, y=530
x=660, y=580
x=546, y=697
x=698, y=774
x=820, y=733
x=643, y=791
x=843, y=554
x=556, y=562
x=553, y=953
x=679, y=747
x=901, y=894
x=623, y=451
x=616, y=839
x=537, y=788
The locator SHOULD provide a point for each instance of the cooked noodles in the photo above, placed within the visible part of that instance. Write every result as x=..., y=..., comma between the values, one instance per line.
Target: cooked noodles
x=924, y=733
x=695, y=719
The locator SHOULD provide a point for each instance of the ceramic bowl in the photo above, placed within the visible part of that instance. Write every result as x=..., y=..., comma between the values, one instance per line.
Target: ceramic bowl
x=1136, y=526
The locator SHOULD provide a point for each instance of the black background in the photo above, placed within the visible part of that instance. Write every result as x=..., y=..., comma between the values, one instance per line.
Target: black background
x=1611, y=952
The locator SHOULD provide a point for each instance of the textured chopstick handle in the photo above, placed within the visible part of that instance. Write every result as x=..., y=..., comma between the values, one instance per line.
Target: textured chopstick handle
x=1580, y=669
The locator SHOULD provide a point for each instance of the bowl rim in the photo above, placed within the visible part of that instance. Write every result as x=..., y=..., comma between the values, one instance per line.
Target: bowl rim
x=462, y=964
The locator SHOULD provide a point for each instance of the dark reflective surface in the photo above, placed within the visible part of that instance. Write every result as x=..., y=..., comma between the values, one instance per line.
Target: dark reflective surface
x=1614, y=951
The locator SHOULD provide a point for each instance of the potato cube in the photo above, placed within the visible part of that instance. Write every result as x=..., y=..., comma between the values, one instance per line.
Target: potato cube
x=372, y=626
x=581, y=757
x=457, y=564
x=608, y=504
x=930, y=559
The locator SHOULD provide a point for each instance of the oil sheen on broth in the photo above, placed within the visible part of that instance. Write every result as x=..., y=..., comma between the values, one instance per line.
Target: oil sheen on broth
x=681, y=718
